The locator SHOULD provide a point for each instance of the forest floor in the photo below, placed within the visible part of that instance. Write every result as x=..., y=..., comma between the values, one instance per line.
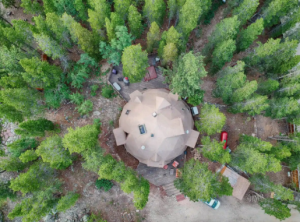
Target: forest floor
x=117, y=206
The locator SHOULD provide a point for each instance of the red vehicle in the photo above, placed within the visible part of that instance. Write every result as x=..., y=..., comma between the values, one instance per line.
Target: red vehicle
x=224, y=136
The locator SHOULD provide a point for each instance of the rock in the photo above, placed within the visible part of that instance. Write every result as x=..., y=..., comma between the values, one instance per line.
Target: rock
x=137, y=211
x=49, y=218
x=96, y=113
x=85, y=218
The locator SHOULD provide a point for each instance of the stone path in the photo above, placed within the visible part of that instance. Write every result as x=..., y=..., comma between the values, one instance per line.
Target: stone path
x=8, y=133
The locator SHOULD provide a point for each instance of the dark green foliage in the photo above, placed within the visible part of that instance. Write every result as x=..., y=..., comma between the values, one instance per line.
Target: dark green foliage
x=275, y=208
x=67, y=201
x=293, y=160
x=10, y=113
x=35, y=127
x=267, y=87
x=8, y=3
x=197, y=98
x=211, y=13
x=5, y=191
x=196, y=174
x=12, y=164
x=94, y=89
x=54, y=97
x=114, y=50
x=105, y=184
x=67, y=6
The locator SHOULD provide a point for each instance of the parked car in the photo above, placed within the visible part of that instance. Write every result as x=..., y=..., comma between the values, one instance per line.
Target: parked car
x=224, y=136
x=213, y=203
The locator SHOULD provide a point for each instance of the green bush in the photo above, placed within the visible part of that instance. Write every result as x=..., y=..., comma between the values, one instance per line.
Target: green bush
x=107, y=91
x=35, y=127
x=77, y=98
x=94, y=88
x=21, y=145
x=197, y=98
x=67, y=201
x=54, y=97
x=105, y=184
x=85, y=107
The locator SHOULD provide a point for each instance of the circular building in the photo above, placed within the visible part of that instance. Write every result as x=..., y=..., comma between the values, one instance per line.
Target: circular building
x=155, y=127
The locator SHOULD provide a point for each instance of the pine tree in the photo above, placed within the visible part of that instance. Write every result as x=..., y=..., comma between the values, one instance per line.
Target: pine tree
x=67, y=201
x=196, y=174
x=244, y=92
x=49, y=6
x=185, y=78
x=173, y=9
x=81, y=139
x=223, y=53
x=113, y=52
x=189, y=16
x=10, y=113
x=170, y=53
x=115, y=20
x=12, y=164
x=28, y=155
x=283, y=107
x=35, y=127
x=249, y=35
x=245, y=10
x=256, y=142
x=253, y=106
x=275, y=208
x=288, y=89
x=225, y=30
x=135, y=22
x=269, y=57
x=135, y=62
x=154, y=11
x=211, y=120
x=52, y=151
x=66, y=6
x=107, y=167
x=19, y=146
x=40, y=74
x=31, y=7
x=141, y=193
x=267, y=87
x=153, y=37
x=93, y=160
x=121, y=7
x=81, y=9
x=101, y=10
x=214, y=151
x=276, y=10
x=23, y=100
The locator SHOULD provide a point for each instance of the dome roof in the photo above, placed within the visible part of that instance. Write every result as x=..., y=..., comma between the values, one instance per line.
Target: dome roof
x=155, y=127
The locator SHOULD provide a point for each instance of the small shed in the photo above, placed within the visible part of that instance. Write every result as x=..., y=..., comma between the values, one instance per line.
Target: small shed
x=240, y=184
x=150, y=74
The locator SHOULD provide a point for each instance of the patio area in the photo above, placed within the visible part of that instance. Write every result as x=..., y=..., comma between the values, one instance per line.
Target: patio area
x=143, y=85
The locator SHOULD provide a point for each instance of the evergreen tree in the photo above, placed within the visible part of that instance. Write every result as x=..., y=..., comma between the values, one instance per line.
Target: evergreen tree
x=77, y=98
x=277, y=9
x=250, y=34
x=135, y=62
x=141, y=193
x=85, y=108
x=153, y=36
x=189, y=16
x=223, y=53
x=253, y=106
x=115, y=20
x=244, y=92
x=12, y=164
x=67, y=201
x=245, y=10
x=31, y=7
x=288, y=89
x=81, y=139
x=256, y=142
x=154, y=11
x=23, y=100
x=35, y=127
x=173, y=9
x=214, y=151
x=93, y=160
x=269, y=57
x=196, y=174
x=40, y=74
x=52, y=151
x=97, y=15
x=211, y=120
x=28, y=155
x=66, y=6
x=107, y=167
x=283, y=107
x=19, y=146
x=185, y=78
x=49, y=6
x=81, y=9
x=267, y=87
x=135, y=22
x=225, y=30
x=122, y=7
x=5, y=191
x=170, y=53
x=10, y=113
x=275, y=208
x=113, y=52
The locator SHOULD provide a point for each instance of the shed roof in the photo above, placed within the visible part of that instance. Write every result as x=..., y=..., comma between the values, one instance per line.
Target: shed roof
x=120, y=136
x=240, y=184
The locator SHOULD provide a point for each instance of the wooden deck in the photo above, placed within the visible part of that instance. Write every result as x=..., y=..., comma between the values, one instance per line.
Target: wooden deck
x=127, y=90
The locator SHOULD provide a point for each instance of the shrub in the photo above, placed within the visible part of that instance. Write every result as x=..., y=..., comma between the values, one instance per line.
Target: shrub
x=197, y=98
x=19, y=146
x=35, y=127
x=107, y=91
x=105, y=184
x=77, y=98
x=67, y=202
x=85, y=107
x=94, y=88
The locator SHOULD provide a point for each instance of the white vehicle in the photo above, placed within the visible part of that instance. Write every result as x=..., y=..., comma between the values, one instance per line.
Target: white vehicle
x=213, y=203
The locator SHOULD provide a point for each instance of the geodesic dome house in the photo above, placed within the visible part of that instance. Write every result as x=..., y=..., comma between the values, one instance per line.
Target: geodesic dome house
x=155, y=127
